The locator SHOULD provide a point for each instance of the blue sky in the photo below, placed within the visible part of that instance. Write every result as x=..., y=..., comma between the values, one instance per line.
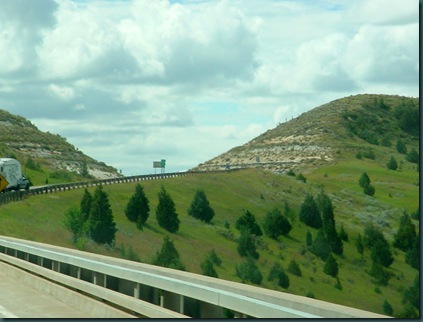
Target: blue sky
x=134, y=81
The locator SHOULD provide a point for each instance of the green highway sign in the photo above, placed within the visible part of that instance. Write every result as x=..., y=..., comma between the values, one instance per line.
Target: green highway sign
x=163, y=163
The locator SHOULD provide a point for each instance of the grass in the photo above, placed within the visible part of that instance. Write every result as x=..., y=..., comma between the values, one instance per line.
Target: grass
x=40, y=218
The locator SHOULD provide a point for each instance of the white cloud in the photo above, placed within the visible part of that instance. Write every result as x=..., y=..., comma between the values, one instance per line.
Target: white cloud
x=129, y=82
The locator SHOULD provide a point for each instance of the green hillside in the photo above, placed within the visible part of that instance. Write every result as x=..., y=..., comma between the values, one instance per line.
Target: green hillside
x=40, y=218
x=331, y=146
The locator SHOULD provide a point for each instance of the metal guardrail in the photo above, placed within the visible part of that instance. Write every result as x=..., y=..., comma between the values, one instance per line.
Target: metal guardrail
x=66, y=265
x=19, y=195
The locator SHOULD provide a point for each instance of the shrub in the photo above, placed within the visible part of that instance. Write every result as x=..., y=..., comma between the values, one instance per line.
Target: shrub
x=168, y=256
x=364, y=180
x=320, y=246
x=413, y=156
x=207, y=268
x=275, y=224
x=406, y=234
x=248, y=221
x=300, y=177
x=392, y=164
x=369, y=190
x=277, y=273
x=401, y=147
x=214, y=258
x=246, y=244
x=248, y=271
x=294, y=268
x=387, y=308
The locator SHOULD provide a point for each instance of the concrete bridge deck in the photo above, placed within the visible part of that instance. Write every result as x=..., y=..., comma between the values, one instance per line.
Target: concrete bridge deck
x=23, y=295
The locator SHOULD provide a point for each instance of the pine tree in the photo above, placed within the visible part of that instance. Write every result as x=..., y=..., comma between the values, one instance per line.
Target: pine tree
x=275, y=224
x=320, y=246
x=200, y=207
x=207, y=268
x=387, y=308
x=85, y=205
x=406, y=234
x=412, y=257
x=294, y=268
x=331, y=266
x=401, y=147
x=364, y=180
x=278, y=273
x=309, y=239
x=248, y=271
x=246, y=244
x=101, y=223
x=309, y=212
x=138, y=209
x=165, y=212
x=328, y=219
x=381, y=253
x=168, y=256
x=248, y=221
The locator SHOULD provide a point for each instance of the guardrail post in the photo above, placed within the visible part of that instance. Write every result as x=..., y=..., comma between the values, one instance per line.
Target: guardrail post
x=137, y=290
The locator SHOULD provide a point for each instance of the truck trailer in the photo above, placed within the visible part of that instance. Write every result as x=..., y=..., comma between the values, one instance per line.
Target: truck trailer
x=10, y=169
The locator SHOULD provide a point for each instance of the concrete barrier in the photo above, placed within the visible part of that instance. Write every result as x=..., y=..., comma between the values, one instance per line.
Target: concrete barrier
x=151, y=290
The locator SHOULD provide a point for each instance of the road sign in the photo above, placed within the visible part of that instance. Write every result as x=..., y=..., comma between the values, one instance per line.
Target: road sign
x=3, y=183
x=157, y=164
x=163, y=162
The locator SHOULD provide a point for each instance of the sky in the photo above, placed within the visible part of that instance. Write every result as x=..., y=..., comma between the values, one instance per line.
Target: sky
x=129, y=82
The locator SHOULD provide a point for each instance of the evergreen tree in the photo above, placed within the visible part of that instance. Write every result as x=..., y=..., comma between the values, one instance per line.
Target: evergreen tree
x=248, y=221
x=331, y=266
x=328, y=220
x=168, y=256
x=364, y=180
x=309, y=212
x=200, y=207
x=207, y=268
x=392, y=164
x=380, y=273
x=246, y=244
x=248, y=271
x=101, y=223
x=294, y=268
x=85, y=205
x=165, y=212
x=413, y=156
x=387, y=308
x=74, y=222
x=138, y=209
x=412, y=257
x=275, y=224
x=369, y=190
x=412, y=294
x=320, y=245
x=277, y=273
x=401, y=147
x=381, y=253
x=214, y=258
x=406, y=234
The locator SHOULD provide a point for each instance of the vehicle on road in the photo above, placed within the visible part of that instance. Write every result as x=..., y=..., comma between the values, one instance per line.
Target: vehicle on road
x=11, y=171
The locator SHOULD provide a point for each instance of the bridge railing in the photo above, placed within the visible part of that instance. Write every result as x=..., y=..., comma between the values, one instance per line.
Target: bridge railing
x=161, y=292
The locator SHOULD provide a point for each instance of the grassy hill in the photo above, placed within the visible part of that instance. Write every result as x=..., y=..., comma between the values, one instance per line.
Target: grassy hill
x=361, y=123
x=45, y=155
x=40, y=218
x=331, y=145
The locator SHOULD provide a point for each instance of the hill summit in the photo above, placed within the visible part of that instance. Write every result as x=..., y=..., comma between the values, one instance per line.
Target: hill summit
x=360, y=123
x=21, y=139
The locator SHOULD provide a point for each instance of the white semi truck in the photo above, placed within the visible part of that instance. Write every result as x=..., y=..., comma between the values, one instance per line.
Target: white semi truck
x=10, y=169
